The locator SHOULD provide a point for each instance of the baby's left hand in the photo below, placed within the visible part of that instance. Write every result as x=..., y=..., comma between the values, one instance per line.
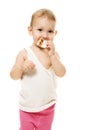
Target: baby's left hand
x=50, y=47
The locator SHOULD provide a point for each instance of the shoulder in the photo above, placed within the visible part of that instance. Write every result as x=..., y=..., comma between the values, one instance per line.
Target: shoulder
x=22, y=54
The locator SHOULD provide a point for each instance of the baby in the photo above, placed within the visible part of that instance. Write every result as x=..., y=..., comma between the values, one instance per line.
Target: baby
x=38, y=88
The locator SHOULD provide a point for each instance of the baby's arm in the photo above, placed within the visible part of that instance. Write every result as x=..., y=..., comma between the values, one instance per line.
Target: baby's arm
x=22, y=65
x=57, y=65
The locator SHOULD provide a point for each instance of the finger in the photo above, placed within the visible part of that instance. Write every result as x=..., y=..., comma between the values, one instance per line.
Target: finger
x=31, y=66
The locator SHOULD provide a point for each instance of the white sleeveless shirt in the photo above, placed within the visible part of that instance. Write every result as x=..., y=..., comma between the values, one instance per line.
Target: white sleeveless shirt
x=38, y=90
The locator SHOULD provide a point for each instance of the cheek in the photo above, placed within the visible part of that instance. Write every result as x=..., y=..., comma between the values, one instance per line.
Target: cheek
x=51, y=38
x=35, y=38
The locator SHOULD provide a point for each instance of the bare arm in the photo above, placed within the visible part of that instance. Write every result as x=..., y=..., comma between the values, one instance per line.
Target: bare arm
x=21, y=66
x=58, y=67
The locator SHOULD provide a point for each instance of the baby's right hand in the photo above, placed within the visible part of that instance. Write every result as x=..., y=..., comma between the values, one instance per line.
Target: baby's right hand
x=28, y=66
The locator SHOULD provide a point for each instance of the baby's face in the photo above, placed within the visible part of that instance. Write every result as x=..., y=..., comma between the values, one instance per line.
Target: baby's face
x=43, y=28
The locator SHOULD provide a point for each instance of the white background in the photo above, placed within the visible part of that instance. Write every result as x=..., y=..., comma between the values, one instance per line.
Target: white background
x=70, y=42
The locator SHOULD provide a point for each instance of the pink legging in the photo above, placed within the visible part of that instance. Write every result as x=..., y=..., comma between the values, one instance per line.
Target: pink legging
x=38, y=120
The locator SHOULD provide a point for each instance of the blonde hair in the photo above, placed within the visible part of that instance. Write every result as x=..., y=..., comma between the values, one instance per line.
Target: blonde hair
x=42, y=13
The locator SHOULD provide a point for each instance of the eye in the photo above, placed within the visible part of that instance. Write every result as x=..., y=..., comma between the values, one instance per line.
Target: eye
x=39, y=29
x=50, y=31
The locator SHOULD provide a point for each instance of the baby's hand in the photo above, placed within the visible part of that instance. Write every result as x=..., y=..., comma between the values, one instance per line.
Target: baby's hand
x=28, y=66
x=50, y=47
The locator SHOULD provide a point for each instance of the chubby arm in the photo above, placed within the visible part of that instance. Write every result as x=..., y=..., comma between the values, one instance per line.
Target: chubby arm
x=21, y=66
x=57, y=65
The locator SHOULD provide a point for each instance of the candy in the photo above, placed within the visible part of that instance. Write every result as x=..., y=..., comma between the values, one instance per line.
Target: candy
x=41, y=43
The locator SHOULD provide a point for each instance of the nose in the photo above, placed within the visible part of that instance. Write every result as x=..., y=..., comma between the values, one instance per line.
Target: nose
x=45, y=35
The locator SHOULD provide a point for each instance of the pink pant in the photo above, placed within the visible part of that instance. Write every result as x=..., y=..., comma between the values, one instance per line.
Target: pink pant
x=38, y=120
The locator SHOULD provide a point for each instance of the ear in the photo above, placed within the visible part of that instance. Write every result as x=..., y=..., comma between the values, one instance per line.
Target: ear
x=56, y=32
x=30, y=30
